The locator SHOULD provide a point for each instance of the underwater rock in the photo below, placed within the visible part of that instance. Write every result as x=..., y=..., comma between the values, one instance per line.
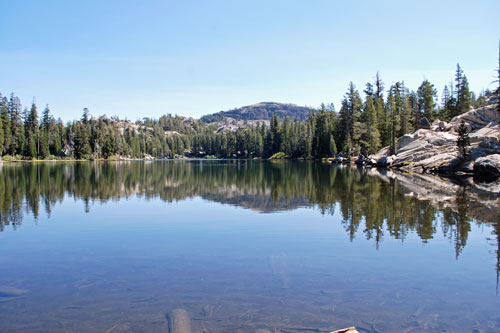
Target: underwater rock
x=178, y=321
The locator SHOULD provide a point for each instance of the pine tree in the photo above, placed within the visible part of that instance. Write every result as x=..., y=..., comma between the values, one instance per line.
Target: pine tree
x=394, y=121
x=445, y=97
x=4, y=115
x=426, y=105
x=31, y=145
x=2, y=105
x=286, y=145
x=463, y=100
x=463, y=142
x=371, y=136
x=275, y=135
x=44, y=144
x=333, y=146
x=32, y=132
x=349, y=126
x=322, y=131
x=347, y=149
x=498, y=90
x=46, y=118
x=45, y=133
x=379, y=85
x=413, y=104
x=82, y=137
x=369, y=90
x=446, y=100
x=16, y=126
x=406, y=112
x=383, y=121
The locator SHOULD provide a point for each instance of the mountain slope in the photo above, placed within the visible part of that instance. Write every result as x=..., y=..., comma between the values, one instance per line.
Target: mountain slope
x=260, y=111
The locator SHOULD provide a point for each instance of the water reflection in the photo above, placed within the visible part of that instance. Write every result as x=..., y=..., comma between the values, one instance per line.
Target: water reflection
x=263, y=186
x=367, y=198
x=330, y=281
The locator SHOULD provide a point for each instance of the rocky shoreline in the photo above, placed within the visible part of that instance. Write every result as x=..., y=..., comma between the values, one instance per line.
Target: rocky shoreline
x=433, y=150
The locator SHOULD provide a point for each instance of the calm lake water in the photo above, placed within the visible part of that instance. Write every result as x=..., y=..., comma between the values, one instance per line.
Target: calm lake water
x=243, y=246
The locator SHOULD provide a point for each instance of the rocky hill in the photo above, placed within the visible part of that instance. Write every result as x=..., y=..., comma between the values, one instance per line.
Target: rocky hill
x=260, y=111
x=434, y=149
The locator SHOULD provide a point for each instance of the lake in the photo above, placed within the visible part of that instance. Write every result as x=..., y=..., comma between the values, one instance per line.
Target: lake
x=244, y=246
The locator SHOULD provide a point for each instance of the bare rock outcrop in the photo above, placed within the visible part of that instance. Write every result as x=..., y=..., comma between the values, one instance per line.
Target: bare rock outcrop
x=474, y=120
x=434, y=150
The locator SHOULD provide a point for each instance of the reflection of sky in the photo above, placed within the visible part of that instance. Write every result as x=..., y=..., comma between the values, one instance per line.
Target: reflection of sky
x=201, y=251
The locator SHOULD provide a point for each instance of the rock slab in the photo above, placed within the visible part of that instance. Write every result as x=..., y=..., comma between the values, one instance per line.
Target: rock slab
x=178, y=321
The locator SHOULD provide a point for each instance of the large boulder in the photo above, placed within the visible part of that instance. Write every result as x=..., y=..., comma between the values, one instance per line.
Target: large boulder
x=440, y=125
x=424, y=123
x=407, y=139
x=385, y=161
x=488, y=165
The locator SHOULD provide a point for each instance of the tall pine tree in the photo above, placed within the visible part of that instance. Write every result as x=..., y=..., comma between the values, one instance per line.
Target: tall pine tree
x=370, y=138
x=32, y=132
x=426, y=100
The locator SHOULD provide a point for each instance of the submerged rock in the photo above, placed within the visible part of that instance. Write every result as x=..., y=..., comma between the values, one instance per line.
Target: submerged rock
x=178, y=321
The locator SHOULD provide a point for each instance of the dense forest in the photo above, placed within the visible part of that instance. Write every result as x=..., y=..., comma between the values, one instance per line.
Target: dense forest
x=362, y=125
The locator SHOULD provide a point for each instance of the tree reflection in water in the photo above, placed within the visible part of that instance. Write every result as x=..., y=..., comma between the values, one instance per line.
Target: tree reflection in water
x=377, y=202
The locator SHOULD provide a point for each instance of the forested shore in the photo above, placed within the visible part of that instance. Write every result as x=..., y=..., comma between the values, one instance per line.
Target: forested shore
x=364, y=123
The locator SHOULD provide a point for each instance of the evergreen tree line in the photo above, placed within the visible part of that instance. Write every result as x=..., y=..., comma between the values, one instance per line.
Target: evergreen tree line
x=362, y=125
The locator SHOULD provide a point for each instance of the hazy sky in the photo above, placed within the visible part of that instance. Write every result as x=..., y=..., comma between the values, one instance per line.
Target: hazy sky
x=146, y=58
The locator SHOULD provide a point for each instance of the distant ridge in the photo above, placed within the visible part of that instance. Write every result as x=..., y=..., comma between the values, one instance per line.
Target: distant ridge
x=260, y=111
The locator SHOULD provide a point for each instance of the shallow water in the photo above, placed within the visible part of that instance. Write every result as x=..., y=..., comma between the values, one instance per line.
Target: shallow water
x=241, y=246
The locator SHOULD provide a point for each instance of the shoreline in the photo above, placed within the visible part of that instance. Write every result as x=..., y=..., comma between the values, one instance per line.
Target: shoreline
x=404, y=168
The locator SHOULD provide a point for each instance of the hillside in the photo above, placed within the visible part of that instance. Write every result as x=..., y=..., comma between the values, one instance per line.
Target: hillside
x=259, y=111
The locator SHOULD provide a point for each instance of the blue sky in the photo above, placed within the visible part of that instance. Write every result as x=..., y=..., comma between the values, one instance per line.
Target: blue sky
x=146, y=58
